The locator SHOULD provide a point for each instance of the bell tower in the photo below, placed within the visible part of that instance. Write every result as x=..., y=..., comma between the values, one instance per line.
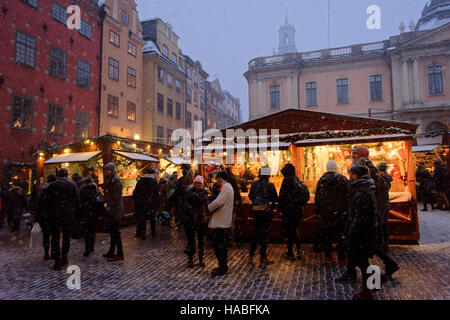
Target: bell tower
x=287, y=38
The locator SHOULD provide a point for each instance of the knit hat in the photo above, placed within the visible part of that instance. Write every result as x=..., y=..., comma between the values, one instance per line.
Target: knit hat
x=63, y=173
x=332, y=166
x=76, y=177
x=361, y=151
x=382, y=166
x=360, y=170
x=51, y=178
x=288, y=170
x=110, y=166
x=264, y=171
x=199, y=179
x=223, y=175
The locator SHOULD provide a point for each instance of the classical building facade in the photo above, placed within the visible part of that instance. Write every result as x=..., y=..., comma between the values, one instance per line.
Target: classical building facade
x=164, y=83
x=231, y=110
x=403, y=78
x=122, y=71
x=49, y=80
x=214, y=99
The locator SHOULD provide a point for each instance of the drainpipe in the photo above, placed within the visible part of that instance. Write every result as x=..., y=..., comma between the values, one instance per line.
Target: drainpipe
x=102, y=14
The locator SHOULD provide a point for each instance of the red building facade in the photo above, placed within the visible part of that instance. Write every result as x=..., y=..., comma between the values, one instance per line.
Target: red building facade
x=49, y=80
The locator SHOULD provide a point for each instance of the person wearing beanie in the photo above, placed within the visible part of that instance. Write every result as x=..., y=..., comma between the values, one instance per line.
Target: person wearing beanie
x=220, y=223
x=263, y=196
x=294, y=195
x=361, y=233
x=332, y=206
x=146, y=203
x=195, y=224
x=42, y=217
x=113, y=211
x=359, y=152
x=63, y=204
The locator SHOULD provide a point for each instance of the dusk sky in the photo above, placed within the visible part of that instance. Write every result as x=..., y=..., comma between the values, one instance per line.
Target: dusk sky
x=225, y=34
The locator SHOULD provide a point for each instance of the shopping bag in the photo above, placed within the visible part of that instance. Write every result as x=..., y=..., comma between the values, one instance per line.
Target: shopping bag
x=36, y=236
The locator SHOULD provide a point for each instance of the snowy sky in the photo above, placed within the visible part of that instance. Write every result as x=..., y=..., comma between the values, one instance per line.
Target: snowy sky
x=225, y=34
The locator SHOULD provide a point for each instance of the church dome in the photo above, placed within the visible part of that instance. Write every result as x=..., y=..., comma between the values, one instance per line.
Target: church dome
x=435, y=14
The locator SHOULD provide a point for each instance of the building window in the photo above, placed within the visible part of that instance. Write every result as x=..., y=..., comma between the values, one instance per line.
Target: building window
x=82, y=124
x=83, y=73
x=196, y=97
x=311, y=94
x=170, y=107
x=131, y=111
x=195, y=119
x=114, y=38
x=188, y=120
x=342, y=91
x=169, y=33
x=55, y=119
x=59, y=13
x=160, y=103
x=165, y=51
x=435, y=81
x=124, y=17
x=195, y=79
x=160, y=134
x=169, y=80
x=57, y=63
x=132, y=49
x=33, y=3
x=188, y=95
x=174, y=58
x=25, y=49
x=275, y=93
x=86, y=29
x=376, y=87
x=169, y=136
x=189, y=73
x=113, y=69
x=178, y=85
x=160, y=74
x=202, y=83
x=131, y=77
x=113, y=106
x=21, y=113
x=178, y=110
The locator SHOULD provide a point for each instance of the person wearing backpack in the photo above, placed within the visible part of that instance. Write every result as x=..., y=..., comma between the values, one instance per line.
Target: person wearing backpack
x=195, y=205
x=263, y=196
x=146, y=202
x=294, y=195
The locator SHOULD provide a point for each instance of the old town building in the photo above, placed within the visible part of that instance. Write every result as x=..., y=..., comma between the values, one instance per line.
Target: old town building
x=122, y=75
x=403, y=78
x=214, y=99
x=49, y=80
x=195, y=96
x=164, y=83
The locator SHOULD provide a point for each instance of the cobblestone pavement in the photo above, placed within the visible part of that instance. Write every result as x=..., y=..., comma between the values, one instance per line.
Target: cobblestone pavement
x=155, y=269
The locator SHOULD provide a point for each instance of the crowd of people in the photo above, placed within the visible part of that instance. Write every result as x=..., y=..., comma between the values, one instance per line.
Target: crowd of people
x=354, y=213
x=434, y=189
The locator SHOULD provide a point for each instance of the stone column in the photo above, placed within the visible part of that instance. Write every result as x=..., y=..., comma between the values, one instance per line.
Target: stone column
x=288, y=90
x=261, y=107
x=405, y=83
x=417, y=86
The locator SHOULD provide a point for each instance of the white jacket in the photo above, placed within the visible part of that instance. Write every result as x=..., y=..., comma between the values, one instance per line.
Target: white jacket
x=223, y=217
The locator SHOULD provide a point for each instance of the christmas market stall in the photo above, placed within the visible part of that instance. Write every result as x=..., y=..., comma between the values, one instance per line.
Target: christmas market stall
x=87, y=158
x=309, y=140
x=432, y=146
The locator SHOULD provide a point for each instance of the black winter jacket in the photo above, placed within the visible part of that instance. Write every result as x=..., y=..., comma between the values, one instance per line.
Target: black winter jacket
x=146, y=196
x=332, y=198
x=113, y=199
x=63, y=202
x=196, y=203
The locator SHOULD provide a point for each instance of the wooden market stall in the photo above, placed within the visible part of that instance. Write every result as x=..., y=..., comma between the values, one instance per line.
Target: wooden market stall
x=88, y=156
x=309, y=140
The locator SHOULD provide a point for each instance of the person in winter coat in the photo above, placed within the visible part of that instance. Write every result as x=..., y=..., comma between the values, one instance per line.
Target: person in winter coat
x=263, y=196
x=196, y=203
x=91, y=206
x=146, y=203
x=332, y=206
x=78, y=180
x=383, y=202
x=113, y=211
x=441, y=181
x=15, y=205
x=361, y=233
x=42, y=217
x=425, y=181
x=294, y=196
x=164, y=196
x=220, y=223
x=63, y=204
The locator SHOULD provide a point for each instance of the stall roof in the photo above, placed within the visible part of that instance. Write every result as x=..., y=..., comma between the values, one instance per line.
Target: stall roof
x=177, y=161
x=388, y=137
x=136, y=156
x=425, y=148
x=73, y=157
